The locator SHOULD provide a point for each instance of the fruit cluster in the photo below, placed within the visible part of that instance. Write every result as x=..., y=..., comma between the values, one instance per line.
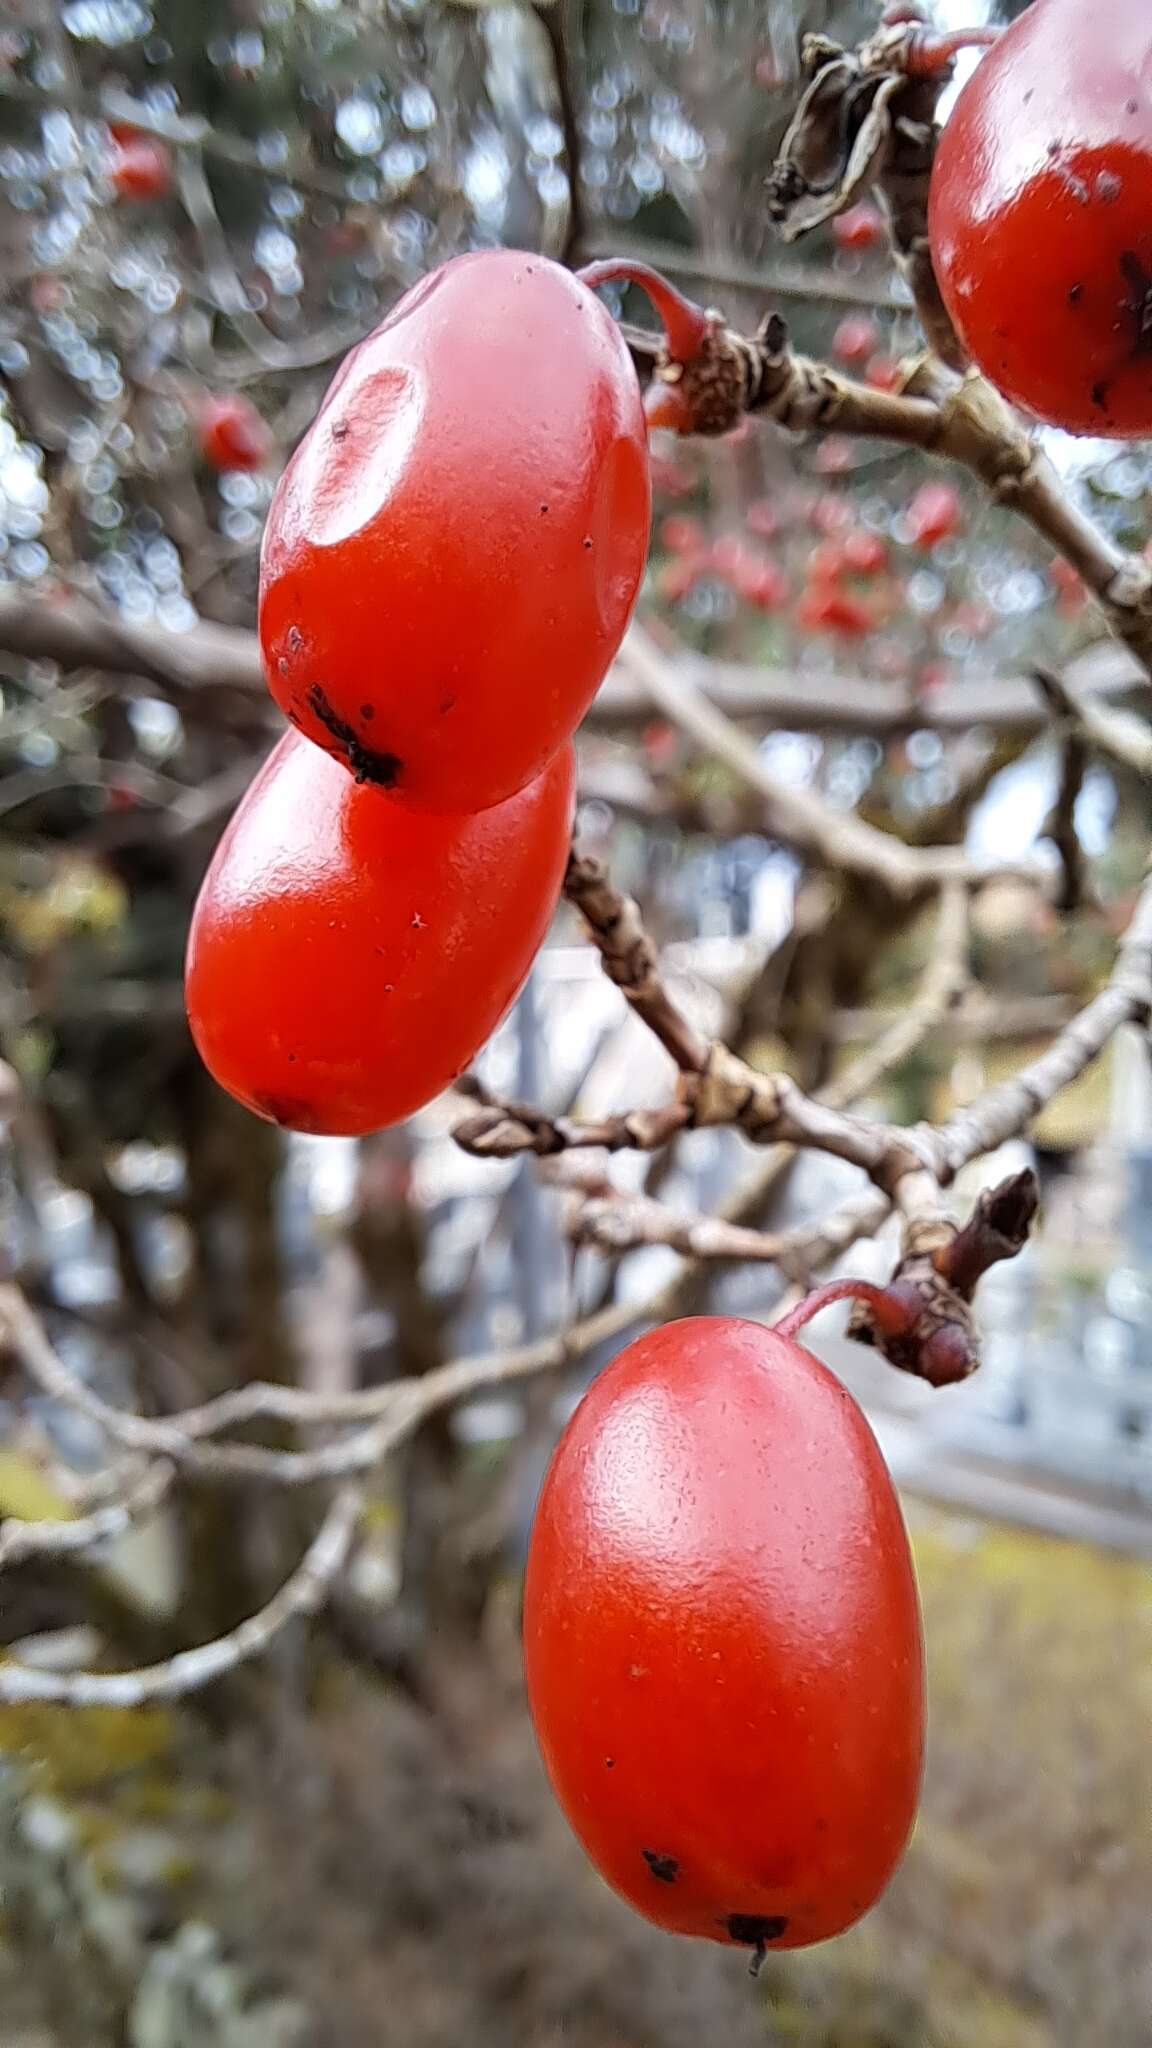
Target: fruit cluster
x=451, y=558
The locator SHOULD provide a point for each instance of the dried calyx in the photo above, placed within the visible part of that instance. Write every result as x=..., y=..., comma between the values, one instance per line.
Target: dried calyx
x=922, y=1319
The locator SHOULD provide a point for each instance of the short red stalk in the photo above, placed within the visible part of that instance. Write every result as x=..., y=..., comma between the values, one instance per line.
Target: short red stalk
x=685, y=324
x=931, y=54
x=893, y=1317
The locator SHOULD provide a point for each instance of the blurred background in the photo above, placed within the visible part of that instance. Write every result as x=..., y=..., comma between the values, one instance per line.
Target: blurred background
x=352, y=1843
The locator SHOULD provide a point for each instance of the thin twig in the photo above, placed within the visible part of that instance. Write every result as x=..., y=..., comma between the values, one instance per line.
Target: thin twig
x=88, y=1533
x=1119, y=734
x=190, y=1670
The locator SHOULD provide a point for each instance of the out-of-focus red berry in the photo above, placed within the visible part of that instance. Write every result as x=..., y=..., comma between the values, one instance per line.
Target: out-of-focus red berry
x=762, y=585
x=834, y=456
x=681, y=534
x=676, y=579
x=660, y=741
x=858, y=227
x=882, y=373
x=1071, y=595
x=231, y=433
x=141, y=166
x=762, y=519
x=823, y=608
x=933, y=515
x=864, y=553
x=855, y=339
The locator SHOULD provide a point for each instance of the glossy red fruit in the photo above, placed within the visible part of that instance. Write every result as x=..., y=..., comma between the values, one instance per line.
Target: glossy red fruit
x=231, y=433
x=933, y=515
x=722, y=1638
x=453, y=552
x=858, y=227
x=855, y=339
x=1040, y=214
x=141, y=166
x=348, y=958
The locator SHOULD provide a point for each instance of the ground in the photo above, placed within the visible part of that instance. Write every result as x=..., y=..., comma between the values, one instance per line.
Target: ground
x=424, y=1893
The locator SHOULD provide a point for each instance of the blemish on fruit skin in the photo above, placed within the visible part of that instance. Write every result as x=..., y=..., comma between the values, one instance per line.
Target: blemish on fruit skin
x=366, y=764
x=1108, y=186
x=294, y=639
x=755, y=1931
x=367, y=713
x=1075, y=294
x=665, y=1869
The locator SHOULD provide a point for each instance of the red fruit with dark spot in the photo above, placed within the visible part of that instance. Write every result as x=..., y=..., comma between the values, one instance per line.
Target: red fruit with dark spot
x=453, y=553
x=933, y=515
x=855, y=339
x=231, y=433
x=1040, y=215
x=141, y=166
x=858, y=227
x=348, y=958
x=722, y=1638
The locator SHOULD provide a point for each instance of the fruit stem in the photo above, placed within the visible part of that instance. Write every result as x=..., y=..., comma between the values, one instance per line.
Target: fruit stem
x=893, y=1317
x=929, y=55
x=685, y=324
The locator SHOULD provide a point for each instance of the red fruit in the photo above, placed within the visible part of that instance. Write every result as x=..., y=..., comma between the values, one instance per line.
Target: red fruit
x=883, y=374
x=933, y=515
x=855, y=339
x=1040, y=215
x=722, y=1638
x=232, y=434
x=453, y=553
x=864, y=553
x=729, y=555
x=681, y=534
x=141, y=166
x=348, y=957
x=859, y=227
x=762, y=519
